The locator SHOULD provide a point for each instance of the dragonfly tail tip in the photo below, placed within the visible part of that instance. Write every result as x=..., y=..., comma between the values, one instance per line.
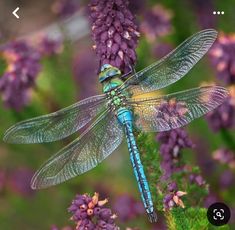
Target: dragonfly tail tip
x=152, y=217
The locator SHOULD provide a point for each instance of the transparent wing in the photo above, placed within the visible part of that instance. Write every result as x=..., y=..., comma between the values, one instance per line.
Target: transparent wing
x=83, y=154
x=173, y=66
x=176, y=110
x=57, y=125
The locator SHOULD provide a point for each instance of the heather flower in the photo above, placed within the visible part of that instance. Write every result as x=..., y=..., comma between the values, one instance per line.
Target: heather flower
x=157, y=22
x=210, y=199
x=201, y=8
x=54, y=227
x=225, y=156
x=222, y=117
x=171, y=187
x=136, y=6
x=172, y=142
x=22, y=68
x=65, y=8
x=49, y=46
x=161, y=49
x=223, y=58
x=128, y=208
x=203, y=156
x=171, y=111
x=197, y=179
x=227, y=179
x=114, y=32
x=90, y=213
x=19, y=181
x=173, y=197
x=84, y=70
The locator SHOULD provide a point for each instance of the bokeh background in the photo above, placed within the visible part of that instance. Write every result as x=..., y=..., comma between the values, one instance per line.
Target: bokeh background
x=47, y=63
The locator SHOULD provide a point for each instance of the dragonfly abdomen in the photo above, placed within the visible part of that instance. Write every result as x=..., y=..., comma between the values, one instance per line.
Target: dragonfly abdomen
x=125, y=117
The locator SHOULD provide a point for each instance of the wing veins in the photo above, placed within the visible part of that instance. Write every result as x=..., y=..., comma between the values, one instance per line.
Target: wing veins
x=173, y=66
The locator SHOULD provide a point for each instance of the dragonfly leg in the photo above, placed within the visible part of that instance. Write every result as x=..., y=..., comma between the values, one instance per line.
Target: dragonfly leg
x=132, y=70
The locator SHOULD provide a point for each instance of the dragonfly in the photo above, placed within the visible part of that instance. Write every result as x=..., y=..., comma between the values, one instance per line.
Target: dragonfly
x=122, y=107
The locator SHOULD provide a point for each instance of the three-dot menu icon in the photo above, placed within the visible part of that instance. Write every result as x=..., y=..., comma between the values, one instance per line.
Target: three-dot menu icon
x=218, y=12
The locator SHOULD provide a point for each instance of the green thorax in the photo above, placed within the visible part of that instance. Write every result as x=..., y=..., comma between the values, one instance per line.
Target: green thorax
x=110, y=77
x=115, y=96
x=111, y=84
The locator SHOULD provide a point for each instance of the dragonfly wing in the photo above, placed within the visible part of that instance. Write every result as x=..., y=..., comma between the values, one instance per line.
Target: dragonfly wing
x=83, y=154
x=173, y=66
x=57, y=125
x=176, y=110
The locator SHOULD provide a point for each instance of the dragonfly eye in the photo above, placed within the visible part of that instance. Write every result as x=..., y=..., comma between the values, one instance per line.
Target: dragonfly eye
x=105, y=67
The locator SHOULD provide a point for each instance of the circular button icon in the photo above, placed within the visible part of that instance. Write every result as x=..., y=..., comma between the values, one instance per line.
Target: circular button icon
x=218, y=214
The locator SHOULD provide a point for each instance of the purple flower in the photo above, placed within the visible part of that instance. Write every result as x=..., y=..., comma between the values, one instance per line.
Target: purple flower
x=210, y=199
x=90, y=213
x=173, y=197
x=157, y=22
x=206, y=163
x=171, y=111
x=227, y=179
x=168, y=201
x=128, y=208
x=22, y=68
x=223, y=58
x=65, y=8
x=201, y=8
x=84, y=71
x=225, y=156
x=54, y=227
x=136, y=6
x=161, y=49
x=197, y=179
x=172, y=142
x=222, y=117
x=49, y=46
x=172, y=187
x=114, y=32
x=19, y=181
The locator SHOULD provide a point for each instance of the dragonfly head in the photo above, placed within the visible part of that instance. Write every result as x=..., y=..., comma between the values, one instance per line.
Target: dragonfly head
x=108, y=71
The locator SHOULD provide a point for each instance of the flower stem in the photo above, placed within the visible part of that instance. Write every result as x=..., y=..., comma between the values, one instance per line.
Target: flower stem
x=170, y=220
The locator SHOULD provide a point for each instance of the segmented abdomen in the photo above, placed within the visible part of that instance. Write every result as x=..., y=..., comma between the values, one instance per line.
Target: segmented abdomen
x=139, y=173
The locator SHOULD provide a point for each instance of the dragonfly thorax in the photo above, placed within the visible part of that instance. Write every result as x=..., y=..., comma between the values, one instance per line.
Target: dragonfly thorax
x=116, y=99
x=110, y=77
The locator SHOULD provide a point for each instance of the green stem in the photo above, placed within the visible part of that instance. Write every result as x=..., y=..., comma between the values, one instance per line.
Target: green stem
x=171, y=225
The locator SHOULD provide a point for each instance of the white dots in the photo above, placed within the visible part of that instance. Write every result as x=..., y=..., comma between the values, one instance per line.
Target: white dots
x=218, y=12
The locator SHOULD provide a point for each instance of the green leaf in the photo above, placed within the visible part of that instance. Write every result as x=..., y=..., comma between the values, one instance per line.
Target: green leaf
x=189, y=219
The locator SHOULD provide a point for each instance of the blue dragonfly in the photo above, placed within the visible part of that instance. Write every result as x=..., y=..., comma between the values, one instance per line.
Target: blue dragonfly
x=115, y=113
